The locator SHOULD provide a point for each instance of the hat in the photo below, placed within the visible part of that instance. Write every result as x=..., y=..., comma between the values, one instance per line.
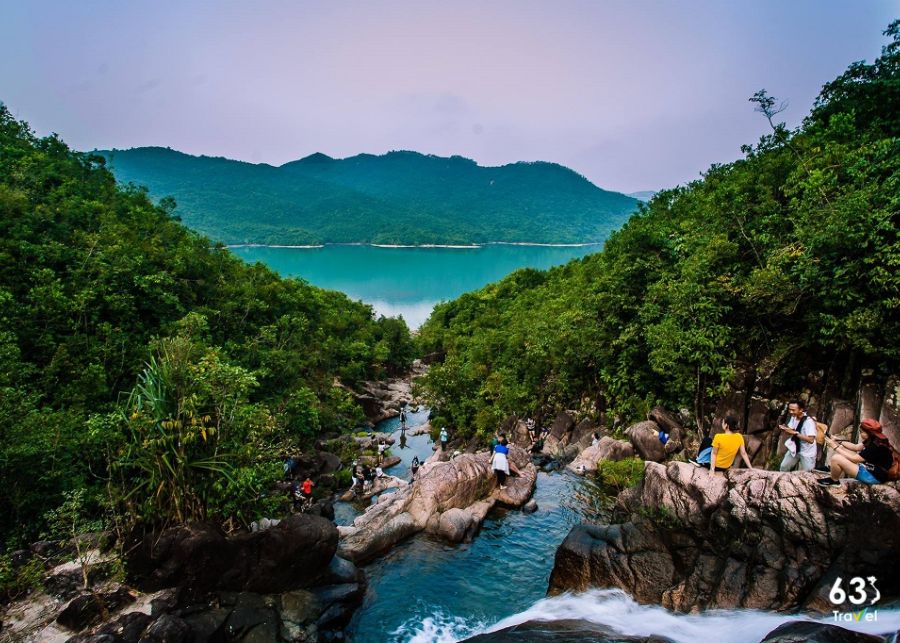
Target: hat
x=872, y=427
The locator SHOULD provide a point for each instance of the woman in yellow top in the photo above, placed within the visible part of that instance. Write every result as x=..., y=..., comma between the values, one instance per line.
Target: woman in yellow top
x=725, y=447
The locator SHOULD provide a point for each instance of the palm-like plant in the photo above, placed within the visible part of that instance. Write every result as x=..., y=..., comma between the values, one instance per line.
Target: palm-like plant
x=171, y=456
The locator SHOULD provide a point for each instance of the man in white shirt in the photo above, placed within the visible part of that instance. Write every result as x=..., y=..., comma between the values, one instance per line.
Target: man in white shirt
x=801, y=440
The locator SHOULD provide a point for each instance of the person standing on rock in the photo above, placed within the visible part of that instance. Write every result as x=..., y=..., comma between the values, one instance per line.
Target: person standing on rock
x=403, y=418
x=726, y=446
x=801, y=441
x=444, y=437
x=868, y=462
x=382, y=447
x=414, y=468
x=500, y=462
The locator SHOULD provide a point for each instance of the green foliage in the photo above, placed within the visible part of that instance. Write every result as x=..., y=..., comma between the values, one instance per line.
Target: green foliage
x=621, y=474
x=96, y=284
x=397, y=198
x=787, y=257
x=17, y=581
x=69, y=521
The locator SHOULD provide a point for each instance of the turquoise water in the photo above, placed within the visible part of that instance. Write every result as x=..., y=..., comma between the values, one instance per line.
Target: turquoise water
x=407, y=281
x=453, y=590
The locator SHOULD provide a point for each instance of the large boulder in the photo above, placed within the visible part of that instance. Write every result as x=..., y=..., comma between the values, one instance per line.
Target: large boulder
x=812, y=632
x=606, y=449
x=560, y=432
x=559, y=631
x=750, y=538
x=644, y=437
x=293, y=554
x=466, y=482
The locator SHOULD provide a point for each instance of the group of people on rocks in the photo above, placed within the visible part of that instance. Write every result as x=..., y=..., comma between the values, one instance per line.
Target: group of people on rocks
x=363, y=476
x=871, y=462
x=301, y=492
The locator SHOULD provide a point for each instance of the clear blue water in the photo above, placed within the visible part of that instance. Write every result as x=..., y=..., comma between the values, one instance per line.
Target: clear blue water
x=503, y=571
x=407, y=281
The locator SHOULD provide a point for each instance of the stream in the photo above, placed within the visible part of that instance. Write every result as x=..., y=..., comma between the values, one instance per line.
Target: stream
x=426, y=590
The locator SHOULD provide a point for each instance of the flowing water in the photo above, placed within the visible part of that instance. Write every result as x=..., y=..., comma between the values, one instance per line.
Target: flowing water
x=407, y=281
x=425, y=590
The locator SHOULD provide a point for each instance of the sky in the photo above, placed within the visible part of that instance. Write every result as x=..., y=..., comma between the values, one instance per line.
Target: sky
x=634, y=95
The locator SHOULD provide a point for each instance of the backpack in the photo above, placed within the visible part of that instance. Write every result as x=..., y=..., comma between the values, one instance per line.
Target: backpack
x=821, y=432
x=894, y=472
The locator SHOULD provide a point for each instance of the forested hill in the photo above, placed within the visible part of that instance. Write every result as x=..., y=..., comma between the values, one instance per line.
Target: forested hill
x=137, y=358
x=396, y=198
x=782, y=263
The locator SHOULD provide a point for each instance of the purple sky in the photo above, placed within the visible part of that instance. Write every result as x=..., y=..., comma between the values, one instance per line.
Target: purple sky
x=634, y=94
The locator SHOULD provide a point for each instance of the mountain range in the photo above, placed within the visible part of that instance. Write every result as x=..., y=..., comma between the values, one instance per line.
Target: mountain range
x=396, y=198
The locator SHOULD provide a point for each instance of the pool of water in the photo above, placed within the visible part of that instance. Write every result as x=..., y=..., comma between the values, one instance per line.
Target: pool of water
x=469, y=586
x=428, y=591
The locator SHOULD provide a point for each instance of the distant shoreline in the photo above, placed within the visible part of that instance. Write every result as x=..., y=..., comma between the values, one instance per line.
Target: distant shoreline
x=423, y=245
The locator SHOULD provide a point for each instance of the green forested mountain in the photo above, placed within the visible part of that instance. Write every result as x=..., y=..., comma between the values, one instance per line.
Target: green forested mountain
x=787, y=261
x=400, y=197
x=143, y=364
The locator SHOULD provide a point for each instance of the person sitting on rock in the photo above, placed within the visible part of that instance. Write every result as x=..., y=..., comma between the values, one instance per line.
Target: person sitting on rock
x=414, y=467
x=444, y=438
x=500, y=462
x=704, y=453
x=595, y=439
x=868, y=462
x=379, y=472
x=545, y=431
x=801, y=442
x=726, y=446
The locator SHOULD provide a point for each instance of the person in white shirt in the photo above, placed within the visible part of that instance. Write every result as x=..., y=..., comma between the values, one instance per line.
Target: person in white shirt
x=801, y=439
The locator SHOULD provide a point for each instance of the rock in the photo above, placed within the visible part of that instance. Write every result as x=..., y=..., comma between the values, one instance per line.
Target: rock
x=127, y=628
x=581, y=434
x=606, y=449
x=560, y=432
x=88, y=609
x=299, y=607
x=386, y=463
x=328, y=462
x=530, y=507
x=382, y=400
x=467, y=482
x=378, y=486
x=167, y=629
x=253, y=616
x=454, y=524
x=208, y=624
x=669, y=423
x=293, y=554
x=811, y=632
x=93, y=638
x=560, y=631
x=751, y=539
x=340, y=571
x=644, y=437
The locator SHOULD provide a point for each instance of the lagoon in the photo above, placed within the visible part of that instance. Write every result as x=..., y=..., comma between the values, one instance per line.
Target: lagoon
x=407, y=281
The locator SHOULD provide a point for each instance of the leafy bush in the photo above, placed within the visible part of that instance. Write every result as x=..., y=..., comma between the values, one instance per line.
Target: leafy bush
x=621, y=474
